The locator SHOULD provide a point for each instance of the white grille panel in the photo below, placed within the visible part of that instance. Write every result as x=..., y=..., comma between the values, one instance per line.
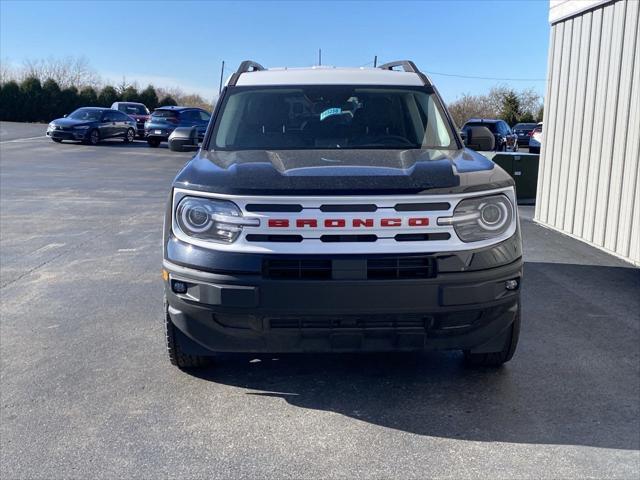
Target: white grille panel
x=388, y=222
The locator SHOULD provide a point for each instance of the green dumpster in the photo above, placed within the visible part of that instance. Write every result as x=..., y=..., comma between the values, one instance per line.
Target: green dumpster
x=523, y=167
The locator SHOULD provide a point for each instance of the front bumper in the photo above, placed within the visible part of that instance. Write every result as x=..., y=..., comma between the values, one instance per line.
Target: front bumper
x=249, y=313
x=67, y=134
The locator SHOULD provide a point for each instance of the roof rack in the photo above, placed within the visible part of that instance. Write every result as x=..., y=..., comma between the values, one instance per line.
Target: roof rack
x=246, y=66
x=407, y=66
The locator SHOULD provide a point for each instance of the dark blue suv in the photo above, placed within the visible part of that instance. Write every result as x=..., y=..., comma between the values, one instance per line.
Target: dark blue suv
x=165, y=120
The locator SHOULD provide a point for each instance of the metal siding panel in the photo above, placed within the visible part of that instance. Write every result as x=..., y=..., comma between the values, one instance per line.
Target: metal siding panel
x=557, y=138
x=598, y=125
x=619, y=157
x=578, y=122
x=568, y=152
x=546, y=154
x=586, y=161
x=609, y=128
x=628, y=241
x=634, y=254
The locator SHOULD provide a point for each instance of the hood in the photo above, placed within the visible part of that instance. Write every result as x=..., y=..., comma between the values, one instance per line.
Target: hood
x=70, y=122
x=340, y=172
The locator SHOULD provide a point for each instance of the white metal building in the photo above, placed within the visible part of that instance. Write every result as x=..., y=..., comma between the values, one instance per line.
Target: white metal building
x=589, y=177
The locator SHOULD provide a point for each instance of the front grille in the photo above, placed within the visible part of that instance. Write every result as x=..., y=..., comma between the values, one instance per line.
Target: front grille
x=307, y=269
x=374, y=268
x=369, y=322
x=401, y=267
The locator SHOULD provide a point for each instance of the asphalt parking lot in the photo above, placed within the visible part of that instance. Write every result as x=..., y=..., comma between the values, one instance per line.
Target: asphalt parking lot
x=87, y=391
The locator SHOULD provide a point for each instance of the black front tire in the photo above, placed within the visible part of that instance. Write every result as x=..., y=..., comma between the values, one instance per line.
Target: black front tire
x=153, y=142
x=534, y=150
x=176, y=356
x=57, y=140
x=496, y=359
x=130, y=136
x=93, y=138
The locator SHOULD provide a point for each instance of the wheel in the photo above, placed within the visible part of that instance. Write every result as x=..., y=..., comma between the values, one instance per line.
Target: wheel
x=176, y=356
x=130, y=136
x=515, y=148
x=94, y=137
x=153, y=142
x=495, y=359
x=534, y=150
x=57, y=140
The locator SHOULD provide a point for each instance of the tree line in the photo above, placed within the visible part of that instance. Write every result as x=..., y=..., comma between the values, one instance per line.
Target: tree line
x=501, y=102
x=41, y=90
x=33, y=101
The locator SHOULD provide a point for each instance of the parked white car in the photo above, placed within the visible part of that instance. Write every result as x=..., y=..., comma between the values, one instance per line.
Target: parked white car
x=535, y=140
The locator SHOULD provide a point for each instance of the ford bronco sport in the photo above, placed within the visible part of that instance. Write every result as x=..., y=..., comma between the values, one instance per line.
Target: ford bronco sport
x=337, y=209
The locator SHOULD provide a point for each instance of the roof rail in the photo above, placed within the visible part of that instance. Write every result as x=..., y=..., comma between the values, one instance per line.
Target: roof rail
x=407, y=66
x=246, y=66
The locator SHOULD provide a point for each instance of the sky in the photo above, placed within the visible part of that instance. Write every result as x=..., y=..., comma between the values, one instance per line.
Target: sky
x=173, y=43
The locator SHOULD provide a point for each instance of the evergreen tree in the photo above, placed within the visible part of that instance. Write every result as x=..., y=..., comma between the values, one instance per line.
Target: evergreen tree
x=31, y=99
x=510, y=111
x=51, y=99
x=167, y=102
x=107, y=96
x=89, y=97
x=10, y=101
x=69, y=100
x=149, y=97
x=130, y=94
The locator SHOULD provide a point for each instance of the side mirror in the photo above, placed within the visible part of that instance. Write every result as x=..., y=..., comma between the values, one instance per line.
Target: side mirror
x=183, y=139
x=481, y=139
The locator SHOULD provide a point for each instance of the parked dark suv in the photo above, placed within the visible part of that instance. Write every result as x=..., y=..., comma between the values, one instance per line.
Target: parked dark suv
x=165, y=120
x=340, y=211
x=138, y=111
x=92, y=124
x=506, y=140
x=524, y=131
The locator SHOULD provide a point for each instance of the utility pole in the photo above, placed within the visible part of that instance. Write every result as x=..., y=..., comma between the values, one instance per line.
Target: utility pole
x=221, y=77
x=319, y=56
x=375, y=61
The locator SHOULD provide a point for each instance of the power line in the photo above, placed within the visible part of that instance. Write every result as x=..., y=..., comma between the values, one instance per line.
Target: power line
x=474, y=77
x=487, y=78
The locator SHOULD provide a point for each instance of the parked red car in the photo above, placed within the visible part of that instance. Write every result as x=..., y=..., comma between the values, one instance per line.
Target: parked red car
x=138, y=111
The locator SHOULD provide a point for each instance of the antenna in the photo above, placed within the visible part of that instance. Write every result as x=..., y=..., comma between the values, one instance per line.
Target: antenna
x=319, y=56
x=375, y=61
x=221, y=77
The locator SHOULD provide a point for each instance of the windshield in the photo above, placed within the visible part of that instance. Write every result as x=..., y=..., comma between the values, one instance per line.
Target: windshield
x=524, y=126
x=134, y=109
x=87, y=114
x=330, y=117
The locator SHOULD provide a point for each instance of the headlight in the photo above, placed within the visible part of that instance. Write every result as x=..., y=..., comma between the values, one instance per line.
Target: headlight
x=52, y=125
x=81, y=127
x=481, y=218
x=213, y=220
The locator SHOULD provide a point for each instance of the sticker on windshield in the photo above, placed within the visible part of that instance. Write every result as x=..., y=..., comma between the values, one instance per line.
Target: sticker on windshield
x=330, y=112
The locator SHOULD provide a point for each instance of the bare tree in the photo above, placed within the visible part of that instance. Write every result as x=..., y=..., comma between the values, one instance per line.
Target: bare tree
x=67, y=72
x=492, y=104
x=7, y=73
